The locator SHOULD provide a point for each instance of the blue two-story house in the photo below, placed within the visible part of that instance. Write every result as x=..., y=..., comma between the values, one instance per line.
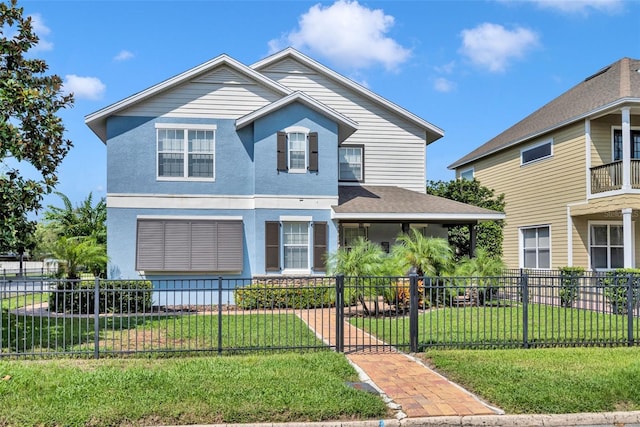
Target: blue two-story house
x=243, y=171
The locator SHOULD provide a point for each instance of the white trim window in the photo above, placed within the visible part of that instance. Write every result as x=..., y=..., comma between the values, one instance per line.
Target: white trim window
x=185, y=152
x=350, y=162
x=536, y=152
x=606, y=245
x=295, y=245
x=536, y=247
x=297, y=151
x=467, y=174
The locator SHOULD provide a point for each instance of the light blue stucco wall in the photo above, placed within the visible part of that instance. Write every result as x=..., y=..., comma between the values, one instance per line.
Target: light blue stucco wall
x=121, y=238
x=131, y=159
x=269, y=181
x=131, y=170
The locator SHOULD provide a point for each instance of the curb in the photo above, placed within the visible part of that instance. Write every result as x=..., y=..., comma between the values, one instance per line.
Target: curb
x=602, y=419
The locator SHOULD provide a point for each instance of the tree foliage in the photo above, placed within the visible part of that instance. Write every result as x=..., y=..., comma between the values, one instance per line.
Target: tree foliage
x=30, y=130
x=488, y=234
x=84, y=220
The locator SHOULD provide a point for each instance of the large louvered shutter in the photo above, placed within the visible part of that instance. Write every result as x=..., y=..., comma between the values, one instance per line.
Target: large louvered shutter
x=319, y=245
x=313, y=152
x=189, y=245
x=272, y=246
x=282, y=151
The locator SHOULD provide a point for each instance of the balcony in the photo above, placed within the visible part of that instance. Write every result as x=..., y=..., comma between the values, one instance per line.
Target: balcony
x=609, y=177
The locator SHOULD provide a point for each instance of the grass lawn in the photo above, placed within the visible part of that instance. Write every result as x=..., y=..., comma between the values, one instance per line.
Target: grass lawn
x=481, y=327
x=236, y=389
x=567, y=380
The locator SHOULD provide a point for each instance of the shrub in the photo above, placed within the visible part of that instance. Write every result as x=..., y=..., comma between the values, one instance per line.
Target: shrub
x=115, y=296
x=300, y=293
x=615, y=284
x=569, y=285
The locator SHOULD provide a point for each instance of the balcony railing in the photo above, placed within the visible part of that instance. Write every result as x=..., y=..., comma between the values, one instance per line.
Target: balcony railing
x=609, y=177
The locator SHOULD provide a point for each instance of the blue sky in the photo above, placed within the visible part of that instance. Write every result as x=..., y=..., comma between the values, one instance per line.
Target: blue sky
x=472, y=68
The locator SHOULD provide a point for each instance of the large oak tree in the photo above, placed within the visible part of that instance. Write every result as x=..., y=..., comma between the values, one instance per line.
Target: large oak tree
x=30, y=130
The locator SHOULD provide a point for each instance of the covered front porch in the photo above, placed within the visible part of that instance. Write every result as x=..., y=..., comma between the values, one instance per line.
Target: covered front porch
x=381, y=213
x=607, y=235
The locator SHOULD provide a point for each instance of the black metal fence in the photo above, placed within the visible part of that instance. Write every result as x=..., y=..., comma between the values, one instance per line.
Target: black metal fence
x=100, y=318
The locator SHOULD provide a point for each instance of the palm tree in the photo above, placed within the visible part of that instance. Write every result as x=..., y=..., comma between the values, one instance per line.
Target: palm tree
x=84, y=220
x=484, y=270
x=427, y=255
x=78, y=252
x=361, y=263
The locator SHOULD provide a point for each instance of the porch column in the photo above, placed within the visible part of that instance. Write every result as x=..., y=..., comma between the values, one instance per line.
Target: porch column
x=627, y=232
x=472, y=240
x=405, y=228
x=626, y=148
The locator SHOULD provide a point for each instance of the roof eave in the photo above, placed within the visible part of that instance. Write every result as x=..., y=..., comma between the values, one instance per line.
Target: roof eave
x=97, y=120
x=596, y=112
x=426, y=216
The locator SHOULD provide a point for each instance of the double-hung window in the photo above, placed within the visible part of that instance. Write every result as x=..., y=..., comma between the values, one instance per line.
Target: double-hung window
x=295, y=245
x=536, y=247
x=350, y=160
x=606, y=245
x=297, y=150
x=185, y=151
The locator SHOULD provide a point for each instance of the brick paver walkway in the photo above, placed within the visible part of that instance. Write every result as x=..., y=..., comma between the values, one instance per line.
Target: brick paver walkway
x=419, y=390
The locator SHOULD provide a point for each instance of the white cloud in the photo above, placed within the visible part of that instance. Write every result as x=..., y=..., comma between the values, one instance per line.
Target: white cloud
x=42, y=31
x=581, y=6
x=84, y=87
x=348, y=34
x=493, y=46
x=123, y=55
x=443, y=85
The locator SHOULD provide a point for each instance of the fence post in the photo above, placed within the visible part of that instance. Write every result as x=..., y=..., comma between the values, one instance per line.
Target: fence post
x=96, y=318
x=413, y=312
x=340, y=313
x=219, y=315
x=524, y=288
x=630, y=307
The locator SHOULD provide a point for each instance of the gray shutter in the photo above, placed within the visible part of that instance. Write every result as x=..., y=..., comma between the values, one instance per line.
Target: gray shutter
x=230, y=248
x=282, y=151
x=177, y=245
x=150, y=245
x=319, y=245
x=272, y=246
x=313, y=152
x=204, y=246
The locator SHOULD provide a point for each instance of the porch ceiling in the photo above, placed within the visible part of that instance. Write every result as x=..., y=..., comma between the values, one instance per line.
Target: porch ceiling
x=399, y=204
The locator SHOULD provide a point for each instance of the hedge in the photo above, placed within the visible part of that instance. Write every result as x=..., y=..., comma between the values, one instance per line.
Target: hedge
x=115, y=296
x=298, y=294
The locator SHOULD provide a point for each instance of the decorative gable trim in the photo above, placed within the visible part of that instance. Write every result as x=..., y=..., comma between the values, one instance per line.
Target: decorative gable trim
x=346, y=126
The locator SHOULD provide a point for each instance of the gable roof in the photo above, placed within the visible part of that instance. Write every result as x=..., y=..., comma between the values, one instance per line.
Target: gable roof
x=611, y=86
x=432, y=132
x=346, y=126
x=97, y=120
x=388, y=202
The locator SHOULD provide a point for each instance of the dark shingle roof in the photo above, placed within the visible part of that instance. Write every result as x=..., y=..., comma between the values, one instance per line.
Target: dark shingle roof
x=615, y=82
x=387, y=202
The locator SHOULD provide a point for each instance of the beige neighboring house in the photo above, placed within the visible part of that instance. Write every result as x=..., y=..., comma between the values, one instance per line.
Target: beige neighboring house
x=570, y=173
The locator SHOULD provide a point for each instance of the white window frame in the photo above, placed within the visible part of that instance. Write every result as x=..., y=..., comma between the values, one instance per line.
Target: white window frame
x=351, y=147
x=284, y=220
x=362, y=229
x=466, y=171
x=533, y=146
x=608, y=224
x=305, y=132
x=185, y=128
x=521, y=247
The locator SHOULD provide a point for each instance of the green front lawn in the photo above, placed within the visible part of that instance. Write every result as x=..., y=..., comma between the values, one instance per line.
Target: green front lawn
x=547, y=381
x=237, y=389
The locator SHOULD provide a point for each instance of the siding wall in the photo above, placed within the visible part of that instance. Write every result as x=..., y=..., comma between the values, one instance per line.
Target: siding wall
x=394, y=148
x=538, y=193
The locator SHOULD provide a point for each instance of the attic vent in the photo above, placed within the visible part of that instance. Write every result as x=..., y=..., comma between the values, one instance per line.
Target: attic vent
x=604, y=70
